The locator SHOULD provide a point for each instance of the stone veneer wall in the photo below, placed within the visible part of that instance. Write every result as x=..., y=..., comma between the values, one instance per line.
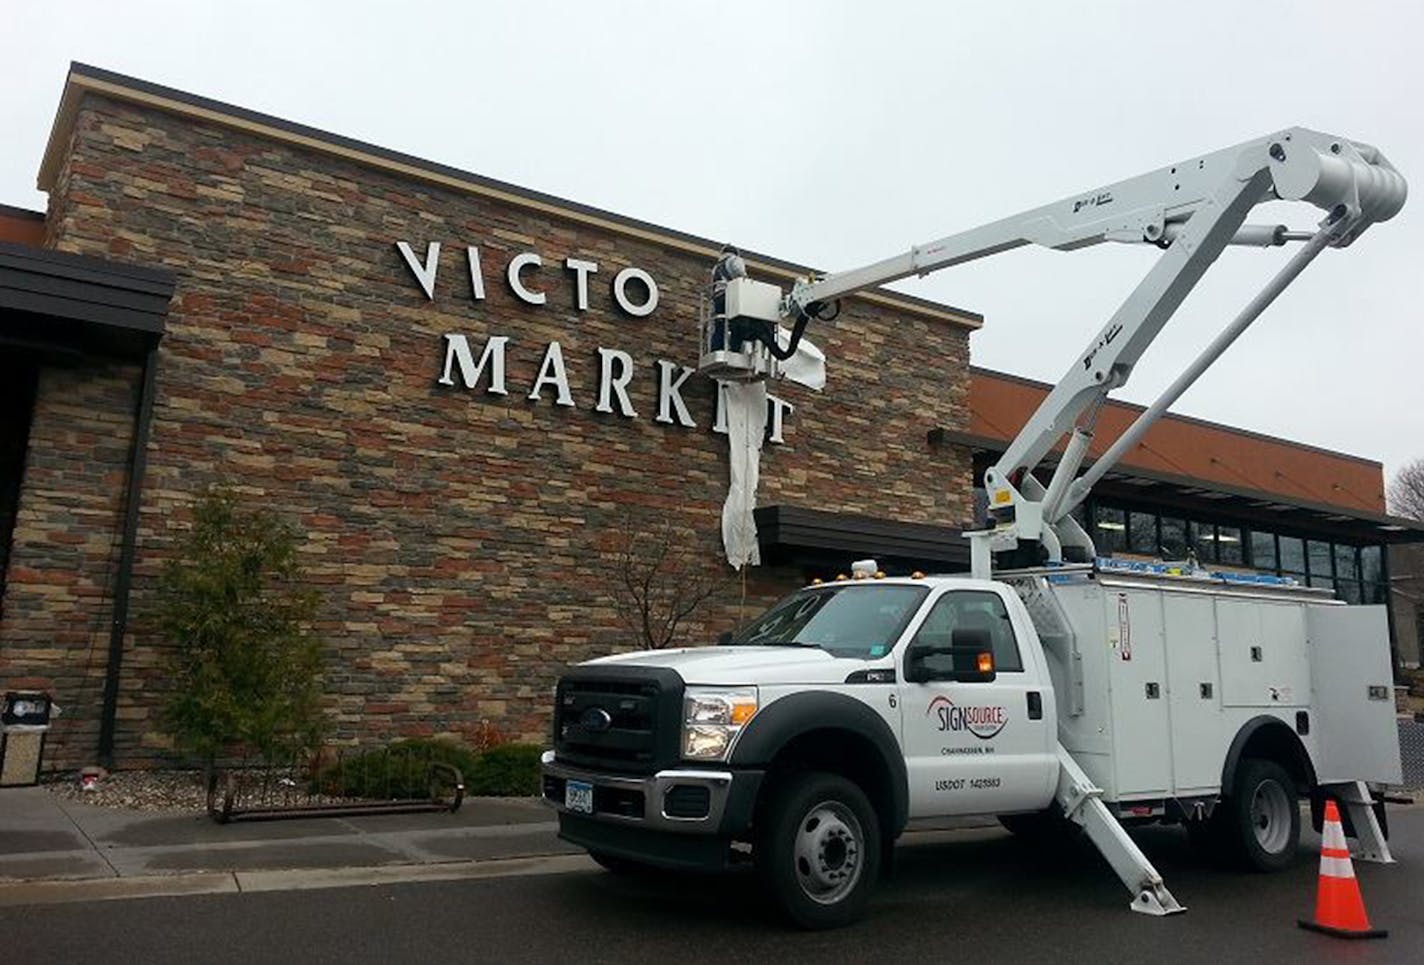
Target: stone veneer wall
x=55, y=616
x=461, y=540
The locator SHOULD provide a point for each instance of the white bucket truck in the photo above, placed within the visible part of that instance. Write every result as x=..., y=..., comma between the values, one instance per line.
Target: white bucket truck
x=1053, y=689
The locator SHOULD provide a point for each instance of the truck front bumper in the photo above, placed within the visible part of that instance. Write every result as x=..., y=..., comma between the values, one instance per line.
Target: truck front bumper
x=682, y=817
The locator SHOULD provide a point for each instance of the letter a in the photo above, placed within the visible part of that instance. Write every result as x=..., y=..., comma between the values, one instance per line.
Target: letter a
x=551, y=372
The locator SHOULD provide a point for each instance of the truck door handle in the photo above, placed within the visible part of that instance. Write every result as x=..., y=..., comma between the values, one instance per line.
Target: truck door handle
x=1035, y=705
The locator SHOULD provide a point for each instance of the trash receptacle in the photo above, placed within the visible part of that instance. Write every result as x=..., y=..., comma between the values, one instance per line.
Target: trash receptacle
x=24, y=722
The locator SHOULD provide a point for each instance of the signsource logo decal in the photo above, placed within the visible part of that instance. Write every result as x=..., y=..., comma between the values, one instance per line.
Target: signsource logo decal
x=982, y=722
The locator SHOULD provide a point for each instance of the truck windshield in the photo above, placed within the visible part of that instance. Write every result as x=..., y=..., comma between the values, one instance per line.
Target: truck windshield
x=846, y=620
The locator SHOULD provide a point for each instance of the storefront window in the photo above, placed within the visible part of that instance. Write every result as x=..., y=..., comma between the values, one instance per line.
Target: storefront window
x=1174, y=538
x=1203, y=541
x=1292, y=555
x=1263, y=551
x=1372, y=590
x=1318, y=557
x=1111, y=535
x=1346, y=566
x=1142, y=533
x=1353, y=573
x=1371, y=567
x=1229, y=548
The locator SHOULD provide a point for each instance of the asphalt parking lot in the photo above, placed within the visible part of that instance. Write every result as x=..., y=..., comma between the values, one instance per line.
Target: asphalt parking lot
x=975, y=895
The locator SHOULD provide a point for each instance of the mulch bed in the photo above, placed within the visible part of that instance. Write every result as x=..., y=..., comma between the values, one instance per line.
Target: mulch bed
x=138, y=791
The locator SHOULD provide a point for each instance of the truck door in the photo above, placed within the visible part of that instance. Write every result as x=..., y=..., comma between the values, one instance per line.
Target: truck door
x=977, y=748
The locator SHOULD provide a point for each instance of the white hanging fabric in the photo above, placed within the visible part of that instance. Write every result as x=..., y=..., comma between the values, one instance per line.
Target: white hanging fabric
x=807, y=366
x=746, y=428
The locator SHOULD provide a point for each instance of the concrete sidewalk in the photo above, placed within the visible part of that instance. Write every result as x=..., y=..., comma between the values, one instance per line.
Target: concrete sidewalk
x=44, y=838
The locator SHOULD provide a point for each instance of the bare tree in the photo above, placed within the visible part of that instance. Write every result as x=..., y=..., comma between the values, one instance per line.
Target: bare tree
x=661, y=577
x=1406, y=492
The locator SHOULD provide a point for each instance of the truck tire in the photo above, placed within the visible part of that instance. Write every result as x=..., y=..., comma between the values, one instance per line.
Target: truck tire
x=818, y=850
x=1258, y=825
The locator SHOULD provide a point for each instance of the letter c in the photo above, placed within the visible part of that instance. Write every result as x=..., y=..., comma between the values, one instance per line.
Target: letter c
x=516, y=265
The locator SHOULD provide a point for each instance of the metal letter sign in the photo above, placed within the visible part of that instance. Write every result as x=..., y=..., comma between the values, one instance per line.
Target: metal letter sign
x=632, y=290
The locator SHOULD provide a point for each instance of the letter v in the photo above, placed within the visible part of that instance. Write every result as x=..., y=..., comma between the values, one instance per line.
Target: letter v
x=425, y=274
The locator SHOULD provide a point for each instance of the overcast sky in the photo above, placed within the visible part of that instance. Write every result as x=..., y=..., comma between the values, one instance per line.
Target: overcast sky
x=835, y=134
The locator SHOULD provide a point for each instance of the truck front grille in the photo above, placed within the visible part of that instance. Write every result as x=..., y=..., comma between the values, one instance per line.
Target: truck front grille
x=628, y=722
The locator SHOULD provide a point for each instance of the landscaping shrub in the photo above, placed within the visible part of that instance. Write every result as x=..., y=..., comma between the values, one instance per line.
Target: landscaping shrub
x=400, y=770
x=244, y=670
x=509, y=770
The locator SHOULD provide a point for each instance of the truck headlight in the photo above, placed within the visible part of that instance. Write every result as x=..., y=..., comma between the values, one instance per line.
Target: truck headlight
x=711, y=719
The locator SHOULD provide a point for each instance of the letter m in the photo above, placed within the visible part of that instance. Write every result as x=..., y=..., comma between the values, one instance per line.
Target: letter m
x=457, y=353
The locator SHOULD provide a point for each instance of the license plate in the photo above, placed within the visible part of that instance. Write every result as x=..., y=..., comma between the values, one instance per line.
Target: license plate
x=578, y=796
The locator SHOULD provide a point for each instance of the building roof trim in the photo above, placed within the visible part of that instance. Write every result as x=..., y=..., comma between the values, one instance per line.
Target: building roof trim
x=847, y=534
x=23, y=214
x=1394, y=529
x=93, y=291
x=1190, y=420
x=84, y=79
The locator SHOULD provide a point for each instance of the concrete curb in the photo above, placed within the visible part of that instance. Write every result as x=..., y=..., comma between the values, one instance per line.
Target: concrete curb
x=17, y=893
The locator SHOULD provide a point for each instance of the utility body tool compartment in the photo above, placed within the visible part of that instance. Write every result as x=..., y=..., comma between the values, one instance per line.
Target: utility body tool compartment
x=1354, y=695
x=1172, y=668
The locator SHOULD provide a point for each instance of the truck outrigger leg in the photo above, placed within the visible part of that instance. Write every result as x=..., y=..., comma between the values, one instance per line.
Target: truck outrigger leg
x=1082, y=804
x=1355, y=799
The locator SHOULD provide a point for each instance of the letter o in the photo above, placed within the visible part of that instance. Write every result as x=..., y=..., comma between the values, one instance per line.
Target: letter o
x=620, y=295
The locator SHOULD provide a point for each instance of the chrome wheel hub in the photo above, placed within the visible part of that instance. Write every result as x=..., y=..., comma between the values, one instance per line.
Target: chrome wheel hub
x=828, y=852
x=1270, y=816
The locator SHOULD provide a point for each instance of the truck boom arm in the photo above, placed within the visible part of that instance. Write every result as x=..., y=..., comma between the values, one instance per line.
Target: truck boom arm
x=1193, y=209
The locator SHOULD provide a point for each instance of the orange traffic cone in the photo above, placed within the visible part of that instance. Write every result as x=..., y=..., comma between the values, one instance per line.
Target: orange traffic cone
x=1339, y=907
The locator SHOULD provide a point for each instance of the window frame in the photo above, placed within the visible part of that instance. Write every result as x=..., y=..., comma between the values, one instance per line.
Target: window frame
x=832, y=590
x=1008, y=621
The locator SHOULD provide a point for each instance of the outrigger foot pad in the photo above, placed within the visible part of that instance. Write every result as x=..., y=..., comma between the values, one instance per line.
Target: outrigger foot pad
x=1156, y=901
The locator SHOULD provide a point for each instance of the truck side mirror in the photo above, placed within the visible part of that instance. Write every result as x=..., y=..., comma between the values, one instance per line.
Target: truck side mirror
x=971, y=659
x=972, y=656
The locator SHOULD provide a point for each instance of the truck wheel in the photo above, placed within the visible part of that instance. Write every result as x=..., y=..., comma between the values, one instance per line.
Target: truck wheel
x=818, y=851
x=1260, y=821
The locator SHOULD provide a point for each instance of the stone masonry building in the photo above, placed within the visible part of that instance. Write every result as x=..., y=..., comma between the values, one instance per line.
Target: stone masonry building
x=465, y=395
